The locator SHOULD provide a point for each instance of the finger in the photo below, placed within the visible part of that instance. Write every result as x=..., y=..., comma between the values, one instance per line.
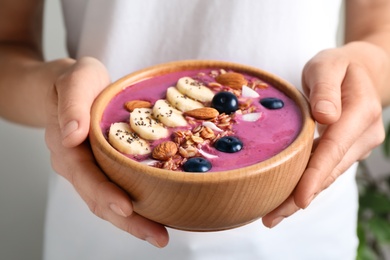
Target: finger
x=78, y=166
x=105, y=199
x=142, y=228
x=111, y=203
x=93, y=186
x=338, y=137
x=321, y=79
x=76, y=90
x=371, y=138
x=286, y=209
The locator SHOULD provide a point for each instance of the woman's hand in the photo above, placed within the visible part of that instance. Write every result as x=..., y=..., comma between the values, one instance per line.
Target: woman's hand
x=68, y=119
x=343, y=90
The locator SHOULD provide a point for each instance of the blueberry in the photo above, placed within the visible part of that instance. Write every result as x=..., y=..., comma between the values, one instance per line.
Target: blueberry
x=272, y=103
x=197, y=164
x=228, y=144
x=225, y=102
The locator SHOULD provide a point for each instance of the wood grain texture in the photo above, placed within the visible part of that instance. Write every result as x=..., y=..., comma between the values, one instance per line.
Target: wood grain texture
x=209, y=201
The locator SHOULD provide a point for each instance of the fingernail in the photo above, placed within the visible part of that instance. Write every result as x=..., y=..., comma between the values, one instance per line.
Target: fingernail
x=325, y=107
x=309, y=200
x=152, y=241
x=276, y=221
x=70, y=128
x=114, y=207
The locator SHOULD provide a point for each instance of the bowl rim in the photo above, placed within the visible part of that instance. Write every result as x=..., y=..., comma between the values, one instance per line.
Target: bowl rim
x=305, y=135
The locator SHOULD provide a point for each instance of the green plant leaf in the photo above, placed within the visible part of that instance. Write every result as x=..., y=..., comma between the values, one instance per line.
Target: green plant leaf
x=379, y=203
x=361, y=233
x=380, y=227
x=364, y=252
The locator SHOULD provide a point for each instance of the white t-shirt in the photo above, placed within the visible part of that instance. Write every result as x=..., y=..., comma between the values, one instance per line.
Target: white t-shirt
x=276, y=35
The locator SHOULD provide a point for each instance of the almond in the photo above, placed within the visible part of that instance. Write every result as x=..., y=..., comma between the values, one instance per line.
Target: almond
x=133, y=104
x=164, y=150
x=203, y=113
x=232, y=79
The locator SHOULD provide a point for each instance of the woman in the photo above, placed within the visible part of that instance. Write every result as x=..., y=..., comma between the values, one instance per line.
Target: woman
x=346, y=86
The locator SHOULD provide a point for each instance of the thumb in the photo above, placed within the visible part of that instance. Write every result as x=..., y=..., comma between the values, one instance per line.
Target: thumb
x=322, y=79
x=76, y=91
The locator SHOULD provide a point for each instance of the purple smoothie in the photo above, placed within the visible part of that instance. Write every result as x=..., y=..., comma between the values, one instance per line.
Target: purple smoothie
x=262, y=139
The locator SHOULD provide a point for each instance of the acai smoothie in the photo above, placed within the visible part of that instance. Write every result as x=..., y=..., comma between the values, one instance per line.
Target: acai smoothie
x=199, y=121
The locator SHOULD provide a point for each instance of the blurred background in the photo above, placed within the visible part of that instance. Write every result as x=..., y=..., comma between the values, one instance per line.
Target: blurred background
x=25, y=166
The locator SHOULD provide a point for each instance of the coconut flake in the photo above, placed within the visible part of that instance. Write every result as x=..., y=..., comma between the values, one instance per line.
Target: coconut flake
x=248, y=92
x=149, y=162
x=212, y=126
x=207, y=155
x=251, y=117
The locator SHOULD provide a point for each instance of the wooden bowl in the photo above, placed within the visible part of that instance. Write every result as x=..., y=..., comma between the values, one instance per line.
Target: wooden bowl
x=213, y=200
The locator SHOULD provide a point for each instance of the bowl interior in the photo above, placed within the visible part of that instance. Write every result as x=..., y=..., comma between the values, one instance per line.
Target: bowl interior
x=111, y=91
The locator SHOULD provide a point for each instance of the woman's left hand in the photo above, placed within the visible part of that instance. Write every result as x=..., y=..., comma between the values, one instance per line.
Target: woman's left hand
x=345, y=101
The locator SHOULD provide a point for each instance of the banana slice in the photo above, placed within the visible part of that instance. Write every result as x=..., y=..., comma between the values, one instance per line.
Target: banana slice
x=122, y=138
x=168, y=115
x=194, y=89
x=181, y=101
x=142, y=122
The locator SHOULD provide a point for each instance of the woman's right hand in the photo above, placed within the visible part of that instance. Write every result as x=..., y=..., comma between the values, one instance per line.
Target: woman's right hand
x=68, y=118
